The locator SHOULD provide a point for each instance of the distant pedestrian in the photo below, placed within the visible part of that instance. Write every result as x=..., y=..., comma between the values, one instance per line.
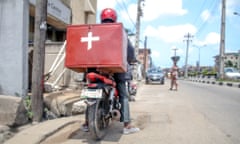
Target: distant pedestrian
x=174, y=76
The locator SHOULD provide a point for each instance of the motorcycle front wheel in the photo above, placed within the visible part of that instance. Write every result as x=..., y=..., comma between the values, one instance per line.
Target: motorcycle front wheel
x=96, y=120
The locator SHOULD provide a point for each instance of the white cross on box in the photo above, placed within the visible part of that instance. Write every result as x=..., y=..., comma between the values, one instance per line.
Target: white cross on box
x=90, y=39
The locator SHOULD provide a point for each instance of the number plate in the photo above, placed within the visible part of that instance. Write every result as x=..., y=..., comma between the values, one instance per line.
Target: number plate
x=91, y=93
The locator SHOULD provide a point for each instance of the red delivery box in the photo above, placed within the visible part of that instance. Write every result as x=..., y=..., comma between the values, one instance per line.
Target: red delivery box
x=102, y=46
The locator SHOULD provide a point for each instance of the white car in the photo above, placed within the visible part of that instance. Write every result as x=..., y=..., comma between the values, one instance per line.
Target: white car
x=232, y=73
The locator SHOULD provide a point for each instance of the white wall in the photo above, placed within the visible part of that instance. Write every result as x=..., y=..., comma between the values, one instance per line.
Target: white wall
x=14, y=16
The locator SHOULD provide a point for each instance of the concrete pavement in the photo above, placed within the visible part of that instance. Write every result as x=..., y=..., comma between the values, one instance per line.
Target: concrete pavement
x=36, y=133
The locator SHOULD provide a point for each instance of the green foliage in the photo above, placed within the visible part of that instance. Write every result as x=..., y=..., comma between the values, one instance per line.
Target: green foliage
x=228, y=64
x=207, y=72
x=27, y=103
x=212, y=72
x=192, y=73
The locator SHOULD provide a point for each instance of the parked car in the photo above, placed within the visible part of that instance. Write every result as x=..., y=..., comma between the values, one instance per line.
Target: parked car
x=155, y=76
x=231, y=73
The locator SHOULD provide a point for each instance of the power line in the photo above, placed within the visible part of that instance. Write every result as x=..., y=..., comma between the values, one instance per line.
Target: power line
x=213, y=9
x=200, y=10
x=123, y=6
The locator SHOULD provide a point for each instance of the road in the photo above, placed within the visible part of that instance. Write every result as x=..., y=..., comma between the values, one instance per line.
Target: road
x=220, y=105
x=195, y=114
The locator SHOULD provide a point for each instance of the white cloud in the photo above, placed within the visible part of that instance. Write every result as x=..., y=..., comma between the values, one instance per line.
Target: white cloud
x=170, y=33
x=205, y=15
x=101, y=4
x=155, y=54
x=212, y=38
x=154, y=8
x=181, y=51
x=232, y=3
x=130, y=17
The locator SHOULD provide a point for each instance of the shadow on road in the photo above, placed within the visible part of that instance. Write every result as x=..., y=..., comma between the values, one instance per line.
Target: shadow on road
x=114, y=132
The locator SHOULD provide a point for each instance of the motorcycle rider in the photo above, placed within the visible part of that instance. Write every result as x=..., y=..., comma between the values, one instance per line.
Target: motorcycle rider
x=109, y=15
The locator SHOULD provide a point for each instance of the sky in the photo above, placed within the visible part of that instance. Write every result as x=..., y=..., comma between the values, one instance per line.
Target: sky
x=165, y=23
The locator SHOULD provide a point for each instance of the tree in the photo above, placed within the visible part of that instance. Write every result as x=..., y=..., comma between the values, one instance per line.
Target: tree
x=228, y=64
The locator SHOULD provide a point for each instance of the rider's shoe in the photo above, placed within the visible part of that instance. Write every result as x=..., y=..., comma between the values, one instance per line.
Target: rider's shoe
x=85, y=128
x=130, y=130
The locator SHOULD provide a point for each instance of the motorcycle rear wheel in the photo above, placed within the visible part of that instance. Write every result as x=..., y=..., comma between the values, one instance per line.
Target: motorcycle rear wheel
x=96, y=120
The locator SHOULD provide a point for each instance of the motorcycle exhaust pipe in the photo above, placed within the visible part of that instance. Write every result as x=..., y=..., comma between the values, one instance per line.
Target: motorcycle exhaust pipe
x=116, y=114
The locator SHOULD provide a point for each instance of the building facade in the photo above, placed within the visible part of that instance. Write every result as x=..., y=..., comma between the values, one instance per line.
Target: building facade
x=144, y=56
x=230, y=59
x=17, y=32
x=62, y=13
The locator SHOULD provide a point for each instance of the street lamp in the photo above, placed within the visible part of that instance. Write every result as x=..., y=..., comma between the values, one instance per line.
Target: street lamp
x=199, y=55
x=236, y=13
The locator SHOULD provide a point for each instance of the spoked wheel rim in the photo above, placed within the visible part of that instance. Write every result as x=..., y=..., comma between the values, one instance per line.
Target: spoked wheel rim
x=97, y=120
x=100, y=119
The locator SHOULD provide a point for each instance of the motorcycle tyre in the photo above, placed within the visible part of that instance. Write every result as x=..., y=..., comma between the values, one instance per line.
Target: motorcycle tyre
x=94, y=120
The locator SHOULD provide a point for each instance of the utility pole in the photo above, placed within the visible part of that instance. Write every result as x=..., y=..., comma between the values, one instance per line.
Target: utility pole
x=145, y=56
x=38, y=59
x=138, y=21
x=199, y=57
x=188, y=36
x=222, y=41
x=139, y=14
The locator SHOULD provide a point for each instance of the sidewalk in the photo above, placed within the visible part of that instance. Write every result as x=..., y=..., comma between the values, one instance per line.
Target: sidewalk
x=35, y=134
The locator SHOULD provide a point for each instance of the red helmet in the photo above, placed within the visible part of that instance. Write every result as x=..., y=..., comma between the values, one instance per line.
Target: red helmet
x=108, y=14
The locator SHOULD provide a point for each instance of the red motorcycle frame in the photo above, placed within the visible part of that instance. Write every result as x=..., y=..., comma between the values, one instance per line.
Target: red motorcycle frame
x=103, y=103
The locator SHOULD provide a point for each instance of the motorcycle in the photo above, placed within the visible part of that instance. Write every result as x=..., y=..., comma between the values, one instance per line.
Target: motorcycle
x=102, y=99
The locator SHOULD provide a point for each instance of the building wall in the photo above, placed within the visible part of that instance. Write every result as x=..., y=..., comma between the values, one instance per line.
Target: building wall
x=233, y=57
x=148, y=57
x=83, y=12
x=14, y=47
x=14, y=40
